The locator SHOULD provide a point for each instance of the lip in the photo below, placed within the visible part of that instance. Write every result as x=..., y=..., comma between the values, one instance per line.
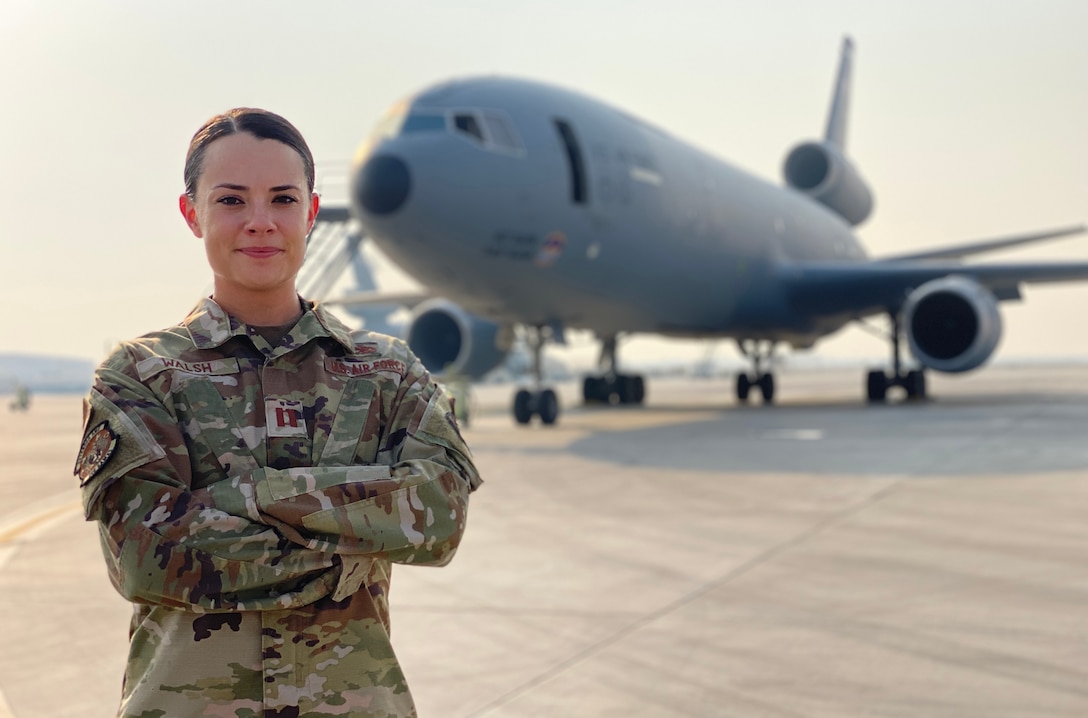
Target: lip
x=260, y=252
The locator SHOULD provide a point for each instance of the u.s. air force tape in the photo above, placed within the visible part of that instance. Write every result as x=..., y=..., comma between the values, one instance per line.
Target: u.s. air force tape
x=96, y=450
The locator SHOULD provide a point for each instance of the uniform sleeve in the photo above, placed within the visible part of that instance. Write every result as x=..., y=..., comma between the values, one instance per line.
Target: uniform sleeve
x=410, y=510
x=164, y=543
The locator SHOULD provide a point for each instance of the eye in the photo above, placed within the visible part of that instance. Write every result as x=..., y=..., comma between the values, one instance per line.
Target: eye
x=230, y=200
x=284, y=199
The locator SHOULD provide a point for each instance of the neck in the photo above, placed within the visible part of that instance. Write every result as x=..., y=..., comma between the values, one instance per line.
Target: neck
x=260, y=309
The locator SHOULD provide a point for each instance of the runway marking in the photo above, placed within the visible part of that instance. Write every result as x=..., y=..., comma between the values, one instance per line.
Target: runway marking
x=794, y=434
x=16, y=529
x=12, y=530
x=5, y=709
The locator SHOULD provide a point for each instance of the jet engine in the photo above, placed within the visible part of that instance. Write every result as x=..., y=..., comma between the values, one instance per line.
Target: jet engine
x=449, y=340
x=952, y=324
x=821, y=171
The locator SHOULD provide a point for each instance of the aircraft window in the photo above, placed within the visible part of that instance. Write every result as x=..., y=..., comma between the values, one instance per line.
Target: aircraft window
x=469, y=125
x=502, y=135
x=423, y=123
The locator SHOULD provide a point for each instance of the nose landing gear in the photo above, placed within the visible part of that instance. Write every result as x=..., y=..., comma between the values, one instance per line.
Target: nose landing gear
x=540, y=400
x=543, y=403
x=760, y=379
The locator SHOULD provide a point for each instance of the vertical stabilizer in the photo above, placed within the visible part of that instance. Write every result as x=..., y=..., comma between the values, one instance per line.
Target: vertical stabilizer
x=820, y=170
x=840, y=102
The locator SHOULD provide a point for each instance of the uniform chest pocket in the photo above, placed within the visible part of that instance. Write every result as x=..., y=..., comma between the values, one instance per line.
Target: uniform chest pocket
x=353, y=434
x=222, y=437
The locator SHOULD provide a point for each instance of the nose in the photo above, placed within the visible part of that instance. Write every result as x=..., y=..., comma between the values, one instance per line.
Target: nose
x=260, y=221
x=382, y=184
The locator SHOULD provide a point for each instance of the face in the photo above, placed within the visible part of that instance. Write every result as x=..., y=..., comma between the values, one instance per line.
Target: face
x=253, y=210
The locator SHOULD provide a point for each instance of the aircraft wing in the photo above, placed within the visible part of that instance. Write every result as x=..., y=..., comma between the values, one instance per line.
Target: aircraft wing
x=990, y=245
x=363, y=299
x=864, y=288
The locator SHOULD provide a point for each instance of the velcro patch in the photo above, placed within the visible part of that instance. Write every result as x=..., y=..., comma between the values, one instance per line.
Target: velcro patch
x=284, y=418
x=361, y=367
x=97, y=448
x=214, y=367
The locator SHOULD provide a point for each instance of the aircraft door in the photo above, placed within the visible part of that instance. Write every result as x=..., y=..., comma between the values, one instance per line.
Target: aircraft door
x=584, y=225
x=576, y=163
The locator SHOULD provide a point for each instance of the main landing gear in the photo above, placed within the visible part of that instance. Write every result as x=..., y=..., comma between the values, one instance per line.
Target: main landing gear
x=913, y=382
x=758, y=379
x=612, y=387
x=540, y=400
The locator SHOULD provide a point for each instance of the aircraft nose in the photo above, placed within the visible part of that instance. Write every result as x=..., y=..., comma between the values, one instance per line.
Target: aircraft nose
x=382, y=184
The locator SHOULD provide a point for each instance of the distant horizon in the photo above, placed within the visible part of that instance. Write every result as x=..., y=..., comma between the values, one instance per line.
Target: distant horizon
x=720, y=366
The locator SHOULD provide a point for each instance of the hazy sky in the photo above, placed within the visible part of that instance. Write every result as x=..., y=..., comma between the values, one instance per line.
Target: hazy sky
x=969, y=120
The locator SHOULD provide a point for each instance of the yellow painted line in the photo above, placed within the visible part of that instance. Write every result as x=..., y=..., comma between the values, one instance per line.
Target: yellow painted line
x=19, y=528
x=30, y=523
x=5, y=709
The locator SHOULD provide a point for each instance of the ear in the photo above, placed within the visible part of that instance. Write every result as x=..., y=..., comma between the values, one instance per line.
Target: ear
x=315, y=205
x=188, y=211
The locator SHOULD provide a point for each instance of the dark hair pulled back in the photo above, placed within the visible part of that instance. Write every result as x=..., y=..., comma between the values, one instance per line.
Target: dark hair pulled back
x=262, y=124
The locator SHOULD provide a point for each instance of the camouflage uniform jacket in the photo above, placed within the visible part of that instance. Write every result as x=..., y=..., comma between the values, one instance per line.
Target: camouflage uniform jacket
x=251, y=500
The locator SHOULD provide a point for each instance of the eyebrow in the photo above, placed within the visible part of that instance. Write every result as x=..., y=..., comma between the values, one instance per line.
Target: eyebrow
x=242, y=188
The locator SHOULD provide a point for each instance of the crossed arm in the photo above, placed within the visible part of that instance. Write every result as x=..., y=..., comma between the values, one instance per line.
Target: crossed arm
x=268, y=538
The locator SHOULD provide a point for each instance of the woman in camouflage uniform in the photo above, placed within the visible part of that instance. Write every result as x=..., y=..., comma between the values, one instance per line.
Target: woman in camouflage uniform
x=255, y=470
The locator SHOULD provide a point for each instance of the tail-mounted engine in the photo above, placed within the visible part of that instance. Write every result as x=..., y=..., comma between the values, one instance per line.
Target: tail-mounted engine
x=821, y=171
x=952, y=324
x=449, y=340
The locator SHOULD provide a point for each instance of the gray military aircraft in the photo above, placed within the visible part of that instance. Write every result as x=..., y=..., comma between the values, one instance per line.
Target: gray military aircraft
x=518, y=203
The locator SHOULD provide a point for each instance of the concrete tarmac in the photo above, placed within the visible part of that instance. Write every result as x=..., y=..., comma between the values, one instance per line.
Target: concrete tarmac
x=821, y=557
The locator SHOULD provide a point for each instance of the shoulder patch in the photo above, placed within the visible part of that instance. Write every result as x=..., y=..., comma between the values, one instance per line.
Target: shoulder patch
x=97, y=448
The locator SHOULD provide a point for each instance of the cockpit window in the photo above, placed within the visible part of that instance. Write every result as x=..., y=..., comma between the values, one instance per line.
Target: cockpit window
x=490, y=130
x=423, y=123
x=468, y=124
x=500, y=132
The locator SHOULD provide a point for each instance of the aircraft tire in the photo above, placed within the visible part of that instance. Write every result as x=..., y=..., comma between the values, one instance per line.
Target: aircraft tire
x=766, y=388
x=548, y=407
x=638, y=389
x=627, y=389
x=916, y=384
x=594, y=390
x=621, y=388
x=523, y=406
x=744, y=384
x=876, y=386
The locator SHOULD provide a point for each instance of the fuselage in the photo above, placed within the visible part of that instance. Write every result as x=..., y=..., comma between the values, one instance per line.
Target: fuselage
x=527, y=203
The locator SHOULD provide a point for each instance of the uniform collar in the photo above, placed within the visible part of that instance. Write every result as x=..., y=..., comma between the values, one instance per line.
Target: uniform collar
x=210, y=326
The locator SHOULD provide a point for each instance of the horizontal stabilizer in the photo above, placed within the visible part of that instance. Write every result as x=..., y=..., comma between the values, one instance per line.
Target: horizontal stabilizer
x=990, y=245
